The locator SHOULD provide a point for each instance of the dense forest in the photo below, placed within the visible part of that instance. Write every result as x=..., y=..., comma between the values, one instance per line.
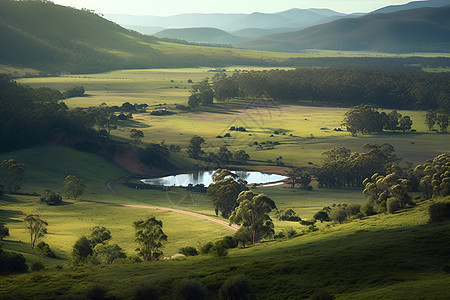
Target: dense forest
x=339, y=86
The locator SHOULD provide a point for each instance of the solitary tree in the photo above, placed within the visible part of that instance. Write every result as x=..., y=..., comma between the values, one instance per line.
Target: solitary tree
x=82, y=249
x=150, y=236
x=4, y=231
x=73, y=187
x=194, y=149
x=36, y=227
x=253, y=213
x=11, y=175
x=137, y=135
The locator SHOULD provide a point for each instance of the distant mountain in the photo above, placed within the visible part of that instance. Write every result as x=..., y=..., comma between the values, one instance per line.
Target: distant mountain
x=201, y=35
x=413, y=5
x=149, y=30
x=253, y=33
x=293, y=18
x=422, y=29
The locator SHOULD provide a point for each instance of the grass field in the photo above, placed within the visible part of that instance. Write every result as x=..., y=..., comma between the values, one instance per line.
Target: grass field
x=382, y=257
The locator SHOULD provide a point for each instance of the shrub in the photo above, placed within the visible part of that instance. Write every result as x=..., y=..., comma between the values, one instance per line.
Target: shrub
x=237, y=287
x=37, y=266
x=229, y=242
x=145, y=293
x=439, y=211
x=320, y=294
x=321, y=216
x=206, y=248
x=108, y=253
x=338, y=214
x=11, y=262
x=77, y=91
x=96, y=292
x=189, y=289
x=4, y=231
x=188, y=251
x=368, y=210
x=393, y=204
x=44, y=249
x=51, y=198
x=218, y=249
x=352, y=210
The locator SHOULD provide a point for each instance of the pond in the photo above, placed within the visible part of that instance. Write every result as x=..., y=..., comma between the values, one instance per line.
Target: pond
x=204, y=177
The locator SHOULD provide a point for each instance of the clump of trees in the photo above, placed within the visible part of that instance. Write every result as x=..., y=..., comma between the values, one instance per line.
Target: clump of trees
x=224, y=191
x=366, y=119
x=439, y=119
x=386, y=193
x=434, y=176
x=300, y=176
x=155, y=154
x=288, y=215
x=51, y=198
x=96, y=248
x=342, y=167
x=4, y=231
x=202, y=94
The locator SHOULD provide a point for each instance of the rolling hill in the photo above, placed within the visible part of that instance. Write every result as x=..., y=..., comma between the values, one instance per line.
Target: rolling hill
x=413, y=5
x=416, y=30
x=200, y=35
x=54, y=39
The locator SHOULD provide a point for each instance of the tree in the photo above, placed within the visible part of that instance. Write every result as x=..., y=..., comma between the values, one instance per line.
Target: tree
x=155, y=154
x=151, y=238
x=253, y=212
x=224, y=191
x=289, y=215
x=203, y=92
x=338, y=214
x=104, y=119
x=241, y=156
x=99, y=235
x=51, y=198
x=430, y=120
x=36, y=227
x=237, y=287
x=363, y=118
x=137, y=135
x=194, y=149
x=405, y=123
x=442, y=122
x=11, y=175
x=108, y=253
x=4, y=231
x=44, y=249
x=82, y=249
x=321, y=216
x=73, y=187
x=434, y=176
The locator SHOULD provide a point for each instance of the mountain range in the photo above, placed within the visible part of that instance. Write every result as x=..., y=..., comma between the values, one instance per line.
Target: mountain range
x=423, y=29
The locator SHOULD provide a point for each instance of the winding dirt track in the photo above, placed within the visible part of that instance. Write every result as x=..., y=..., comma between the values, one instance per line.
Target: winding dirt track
x=221, y=222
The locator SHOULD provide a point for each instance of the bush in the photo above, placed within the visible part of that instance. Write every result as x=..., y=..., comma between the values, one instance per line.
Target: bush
x=37, y=266
x=290, y=232
x=4, y=231
x=51, y=198
x=219, y=249
x=44, y=249
x=237, y=287
x=188, y=251
x=368, y=209
x=229, y=242
x=338, y=214
x=77, y=91
x=393, y=204
x=12, y=263
x=145, y=293
x=320, y=294
x=96, y=292
x=439, y=212
x=206, y=248
x=189, y=289
x=108, y=253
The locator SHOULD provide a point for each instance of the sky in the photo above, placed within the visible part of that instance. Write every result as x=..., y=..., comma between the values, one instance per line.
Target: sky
x=175, y=7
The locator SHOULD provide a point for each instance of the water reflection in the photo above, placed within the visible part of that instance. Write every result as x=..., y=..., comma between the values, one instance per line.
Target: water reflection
x=204, y=177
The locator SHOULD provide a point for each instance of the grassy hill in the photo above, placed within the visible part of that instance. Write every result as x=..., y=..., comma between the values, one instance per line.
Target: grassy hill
x=422, y=29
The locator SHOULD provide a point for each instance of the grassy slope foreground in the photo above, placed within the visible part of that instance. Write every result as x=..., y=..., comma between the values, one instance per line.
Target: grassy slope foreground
x=383, y=257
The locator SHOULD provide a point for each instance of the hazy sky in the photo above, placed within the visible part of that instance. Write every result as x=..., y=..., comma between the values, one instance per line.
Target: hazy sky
x=174, y=7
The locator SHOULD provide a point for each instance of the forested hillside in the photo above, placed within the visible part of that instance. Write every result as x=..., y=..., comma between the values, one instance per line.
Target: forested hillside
x=415, y=30
x=54, y=38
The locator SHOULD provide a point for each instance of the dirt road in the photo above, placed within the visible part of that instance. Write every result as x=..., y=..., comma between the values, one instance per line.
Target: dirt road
x=184, y=212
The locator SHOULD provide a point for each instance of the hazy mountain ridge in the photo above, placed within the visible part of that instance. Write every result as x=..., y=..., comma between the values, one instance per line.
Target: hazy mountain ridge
x=413, y=5
x=201, y=35
x=422, y=29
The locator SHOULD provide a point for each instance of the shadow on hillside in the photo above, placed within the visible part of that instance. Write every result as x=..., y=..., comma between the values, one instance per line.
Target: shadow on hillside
x=136, y=124
x=10, y=216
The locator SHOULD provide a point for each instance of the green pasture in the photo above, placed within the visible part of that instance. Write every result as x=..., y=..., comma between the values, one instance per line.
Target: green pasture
x=381, y=257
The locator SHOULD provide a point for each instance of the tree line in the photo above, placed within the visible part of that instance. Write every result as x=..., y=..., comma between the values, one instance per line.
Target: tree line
x=337, y=86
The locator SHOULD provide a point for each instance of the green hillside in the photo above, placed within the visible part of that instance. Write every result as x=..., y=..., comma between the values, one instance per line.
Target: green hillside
x=200, y=35
x=54, y=38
